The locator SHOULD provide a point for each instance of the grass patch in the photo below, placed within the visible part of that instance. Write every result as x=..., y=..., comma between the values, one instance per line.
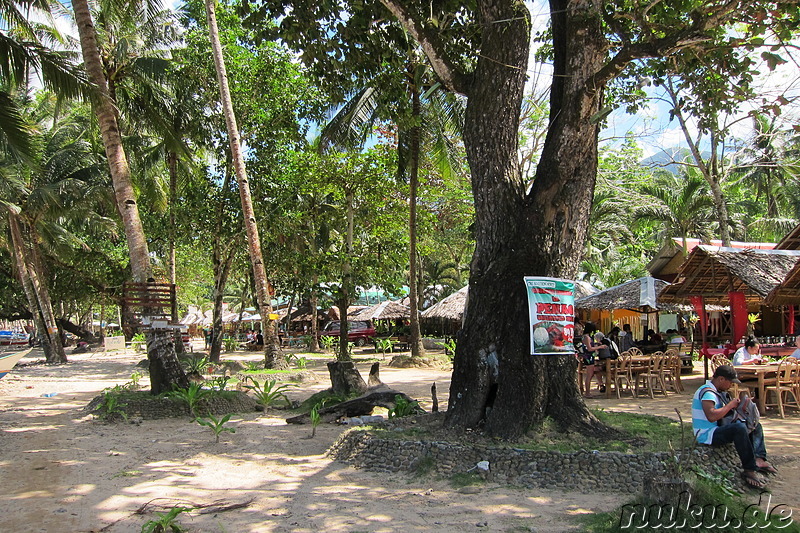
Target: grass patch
x=425, y=466
x=267, y=372
x=708, y=509
x=639, y=433
x=465, y=479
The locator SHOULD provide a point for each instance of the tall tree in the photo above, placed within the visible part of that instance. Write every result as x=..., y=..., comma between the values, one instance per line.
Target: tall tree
x=165, y=370
x=272, y=350
x=481, y=51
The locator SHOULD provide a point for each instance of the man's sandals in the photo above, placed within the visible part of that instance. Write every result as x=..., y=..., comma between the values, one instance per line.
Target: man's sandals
x=753, y=480
x=768, y=469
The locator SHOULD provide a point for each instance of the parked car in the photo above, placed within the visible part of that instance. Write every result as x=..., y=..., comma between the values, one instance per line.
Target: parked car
x=359, y=332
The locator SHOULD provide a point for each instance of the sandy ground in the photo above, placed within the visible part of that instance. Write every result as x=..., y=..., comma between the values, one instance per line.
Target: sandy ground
x=63, y=471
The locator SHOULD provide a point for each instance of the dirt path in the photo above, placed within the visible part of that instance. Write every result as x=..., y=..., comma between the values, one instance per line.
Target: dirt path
x=62, y=471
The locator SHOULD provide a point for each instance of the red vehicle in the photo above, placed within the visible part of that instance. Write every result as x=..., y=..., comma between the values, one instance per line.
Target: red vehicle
x=359, y=332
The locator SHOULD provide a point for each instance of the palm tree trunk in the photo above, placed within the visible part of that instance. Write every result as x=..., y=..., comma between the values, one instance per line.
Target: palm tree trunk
x=43, y=297
x=272, y=349
x=27, y=286
x=165, y=370
x=312, y=304
x=417, y=349
x=347, y=278
x=172, y=163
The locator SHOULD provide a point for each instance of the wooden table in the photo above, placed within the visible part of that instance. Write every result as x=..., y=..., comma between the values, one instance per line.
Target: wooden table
x=760, y=373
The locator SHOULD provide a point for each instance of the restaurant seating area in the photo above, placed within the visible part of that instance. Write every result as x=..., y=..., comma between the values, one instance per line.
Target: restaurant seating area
x=775, y=386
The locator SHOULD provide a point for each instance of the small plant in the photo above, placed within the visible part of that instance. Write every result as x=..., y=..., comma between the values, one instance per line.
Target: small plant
x=288, y=357
x=315, y=419
x=218, y=383
x=327, y=341
x=403, y=407
x=134, y=382
x=308, y=341
x=384, y=345
x=191, y=395
x=111, y=407
x=269, y=392
x=138, y=341
x=301, y=362
x=166, y=522
x=450, y=348
x=254, y=366
x=217, y=426
x=230, y=343
x=195, y=365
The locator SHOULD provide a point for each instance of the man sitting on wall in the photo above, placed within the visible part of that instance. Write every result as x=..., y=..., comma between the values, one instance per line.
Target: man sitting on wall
x=716, y=420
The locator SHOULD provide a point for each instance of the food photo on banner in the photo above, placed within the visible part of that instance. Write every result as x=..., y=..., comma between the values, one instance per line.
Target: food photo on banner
x=551, y=311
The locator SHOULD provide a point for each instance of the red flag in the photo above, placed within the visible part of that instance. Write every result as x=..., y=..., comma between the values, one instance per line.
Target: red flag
x=790, y=329
x=700, y=309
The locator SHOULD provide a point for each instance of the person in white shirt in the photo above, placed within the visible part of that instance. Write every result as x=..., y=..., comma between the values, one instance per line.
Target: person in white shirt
x=796, y=353
x=747, y=354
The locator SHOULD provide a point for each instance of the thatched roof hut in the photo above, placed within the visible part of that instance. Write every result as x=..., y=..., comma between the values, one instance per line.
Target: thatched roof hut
x=388, y=310
x=584, y=289
x=713, y=272
x=449, y=308
x=640, y=295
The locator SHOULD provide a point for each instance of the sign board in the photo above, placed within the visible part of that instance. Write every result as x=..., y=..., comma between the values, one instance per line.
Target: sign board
x=273, y=316
x=114, y=343
x=551, y=313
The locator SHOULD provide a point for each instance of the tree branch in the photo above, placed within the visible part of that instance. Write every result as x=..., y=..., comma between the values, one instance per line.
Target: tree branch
x=448, y=73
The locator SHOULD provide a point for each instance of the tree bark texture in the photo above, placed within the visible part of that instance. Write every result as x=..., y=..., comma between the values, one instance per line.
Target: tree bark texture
x=496, y=382
x=417, y=349
x=21, y=261
x=345, y=378
x=104, y=106
x=35, y=266
x=166, y=372
x=272, y=349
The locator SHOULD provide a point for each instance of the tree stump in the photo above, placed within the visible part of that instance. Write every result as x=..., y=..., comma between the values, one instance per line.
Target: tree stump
x=345, y=378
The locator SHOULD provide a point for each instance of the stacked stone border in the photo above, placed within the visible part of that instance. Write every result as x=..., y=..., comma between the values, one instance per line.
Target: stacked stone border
x=582, y=471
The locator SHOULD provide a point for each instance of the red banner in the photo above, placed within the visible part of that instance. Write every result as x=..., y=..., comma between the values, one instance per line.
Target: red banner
x=790, y=325
x=738, y=315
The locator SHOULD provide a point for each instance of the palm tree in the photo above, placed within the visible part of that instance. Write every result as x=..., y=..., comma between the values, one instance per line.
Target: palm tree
x=166, y=371
x=680, y=204
x=272, y=348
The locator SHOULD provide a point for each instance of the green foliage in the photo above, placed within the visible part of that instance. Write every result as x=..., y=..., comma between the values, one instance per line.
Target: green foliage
x=191, y=396
x=328, y=341
x=308, y=341
x=195, y=365
x=216, y=425
x=315, y=418
x=301, y=362
x=230, y=344
x=218, y=383
x=450, y=348
x=384, y=345
x=138, y=341
x=254, y=366
x=135, y=377
x=165, y=522
x=269, y=392
x=403, y=407
x=465, y=479
x=111, y=407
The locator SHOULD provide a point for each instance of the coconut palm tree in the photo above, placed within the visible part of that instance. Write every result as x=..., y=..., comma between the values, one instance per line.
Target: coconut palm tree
x=272, y=349
x=166, y=371
x=680, y=204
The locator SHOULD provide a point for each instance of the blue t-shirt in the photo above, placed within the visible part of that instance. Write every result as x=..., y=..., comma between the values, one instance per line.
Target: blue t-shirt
x=702, y=427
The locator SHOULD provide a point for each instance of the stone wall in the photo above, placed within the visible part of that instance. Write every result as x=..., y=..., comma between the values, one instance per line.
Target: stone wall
x=587, y=471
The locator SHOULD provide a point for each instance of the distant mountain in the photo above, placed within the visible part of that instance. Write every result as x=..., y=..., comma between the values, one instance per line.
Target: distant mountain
x=666, y=158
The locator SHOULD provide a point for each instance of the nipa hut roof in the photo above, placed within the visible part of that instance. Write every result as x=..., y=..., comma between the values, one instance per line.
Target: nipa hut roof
x=584, y=289
x=388, y=310
x=713, y=272
x=638, y=295
x=449, y=308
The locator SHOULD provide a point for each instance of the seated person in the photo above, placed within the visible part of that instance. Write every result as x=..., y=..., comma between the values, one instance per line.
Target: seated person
x=625, y=338
x=673, y=337
x=653, y=337
x=748, y=354
x=589, y=352
x=710, y=405
x=796, y=353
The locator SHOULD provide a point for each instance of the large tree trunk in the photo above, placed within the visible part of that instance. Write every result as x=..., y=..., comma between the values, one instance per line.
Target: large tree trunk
x=417, y=349
x=272, y=349
x=162, y=357
x=312, y=304
x=495, y=379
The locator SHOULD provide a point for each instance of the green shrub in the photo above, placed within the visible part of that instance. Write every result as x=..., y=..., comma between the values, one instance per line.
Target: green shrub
x=111, y=406
x=195, y=365
x=403, y=407
x=138, y=341
x=384, y=345
x=328, y=342
x=230, y=344
x=269, y=392
x=191, y=395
